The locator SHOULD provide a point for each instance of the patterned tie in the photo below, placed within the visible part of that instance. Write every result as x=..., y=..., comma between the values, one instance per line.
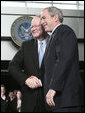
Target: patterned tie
x=41, y=53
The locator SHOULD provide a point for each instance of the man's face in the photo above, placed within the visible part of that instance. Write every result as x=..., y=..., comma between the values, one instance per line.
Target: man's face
x=2, y=90
x=19, y=95
x=47, y=21
x=36, y=27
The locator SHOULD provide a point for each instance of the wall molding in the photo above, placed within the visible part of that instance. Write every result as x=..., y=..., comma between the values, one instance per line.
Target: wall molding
x=34, y=15
x=8, y=38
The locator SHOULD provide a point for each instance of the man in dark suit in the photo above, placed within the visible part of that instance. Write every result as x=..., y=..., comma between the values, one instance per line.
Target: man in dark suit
x=4, y=102
x=62, y=79
x=31, y=80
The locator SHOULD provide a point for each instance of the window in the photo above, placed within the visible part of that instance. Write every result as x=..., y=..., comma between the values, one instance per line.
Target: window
x=12, y=4
x=37, y=5
x=42, y=4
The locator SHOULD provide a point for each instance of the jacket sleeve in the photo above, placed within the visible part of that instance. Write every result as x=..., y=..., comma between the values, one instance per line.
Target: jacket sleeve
x=15, y=67
x=66, y=57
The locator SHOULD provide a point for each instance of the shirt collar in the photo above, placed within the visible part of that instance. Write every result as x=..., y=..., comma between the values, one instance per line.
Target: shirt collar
x=4, y=97
x=43, y=41
x=55, y=28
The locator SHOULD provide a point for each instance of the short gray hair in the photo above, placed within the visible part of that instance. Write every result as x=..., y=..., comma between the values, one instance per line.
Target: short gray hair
x=53, y=11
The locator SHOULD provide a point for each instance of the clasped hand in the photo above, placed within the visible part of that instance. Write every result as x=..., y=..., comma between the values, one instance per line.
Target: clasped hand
x=33, y=82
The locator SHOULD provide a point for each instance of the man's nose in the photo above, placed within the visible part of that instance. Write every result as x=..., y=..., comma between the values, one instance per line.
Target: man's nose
x=33, y=29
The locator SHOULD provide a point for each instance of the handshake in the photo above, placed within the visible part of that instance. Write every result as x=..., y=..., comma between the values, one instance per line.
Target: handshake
x=33, y=82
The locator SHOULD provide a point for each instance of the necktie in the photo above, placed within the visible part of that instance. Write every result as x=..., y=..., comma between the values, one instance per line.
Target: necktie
x=41, y=53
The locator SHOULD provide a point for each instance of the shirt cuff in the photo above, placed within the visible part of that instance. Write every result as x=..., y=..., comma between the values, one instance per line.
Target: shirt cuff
x=40, y=82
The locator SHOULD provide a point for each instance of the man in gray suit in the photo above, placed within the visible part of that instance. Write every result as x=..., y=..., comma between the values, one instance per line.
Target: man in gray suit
x=62, y=82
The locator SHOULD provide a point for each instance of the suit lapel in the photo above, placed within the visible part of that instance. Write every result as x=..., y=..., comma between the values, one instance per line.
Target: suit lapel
x=54, y=35
x=35, y=55
x=48, y=45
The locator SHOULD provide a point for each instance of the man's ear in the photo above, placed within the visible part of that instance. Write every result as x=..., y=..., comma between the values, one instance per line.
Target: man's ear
x=56, y=18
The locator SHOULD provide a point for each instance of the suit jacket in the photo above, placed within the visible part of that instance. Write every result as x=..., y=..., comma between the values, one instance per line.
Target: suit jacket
x=12, y=105
x=61, y=68
x=4, y=105
x=27, y=59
